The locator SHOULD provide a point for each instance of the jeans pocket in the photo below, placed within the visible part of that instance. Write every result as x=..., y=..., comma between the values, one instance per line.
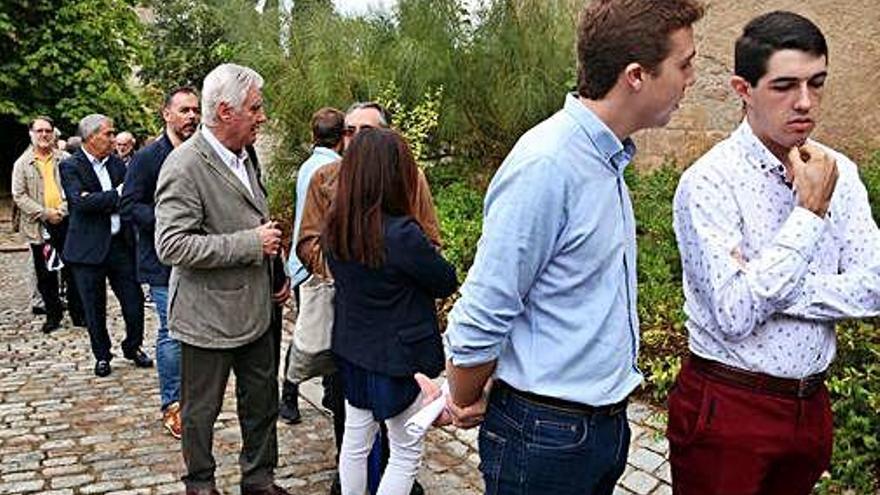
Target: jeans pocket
x=491, y=446
x=557, y=433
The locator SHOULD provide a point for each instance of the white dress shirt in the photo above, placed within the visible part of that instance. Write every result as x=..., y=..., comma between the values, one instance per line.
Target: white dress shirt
x=236, y=163
x=100, y=168
x=764, y=279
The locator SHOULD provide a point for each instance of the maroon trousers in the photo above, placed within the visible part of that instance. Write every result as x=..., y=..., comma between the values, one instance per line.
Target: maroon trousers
x=728, y=440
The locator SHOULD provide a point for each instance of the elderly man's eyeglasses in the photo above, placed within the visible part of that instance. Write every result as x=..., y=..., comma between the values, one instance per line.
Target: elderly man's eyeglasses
x=352, y=129
x=43, y=131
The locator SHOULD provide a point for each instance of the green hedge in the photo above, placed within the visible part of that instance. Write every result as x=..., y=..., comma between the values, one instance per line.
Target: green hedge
x=854, y=381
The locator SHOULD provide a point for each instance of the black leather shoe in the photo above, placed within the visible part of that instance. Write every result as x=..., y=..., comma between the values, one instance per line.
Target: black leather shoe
x=272, y=489
x=288, y=411
x=140, y=359
x=336, y=486
x=202, y=491
x=38, y=310
x=102, y=368
x=417, y=488
x=78, y=321
x=50, y=326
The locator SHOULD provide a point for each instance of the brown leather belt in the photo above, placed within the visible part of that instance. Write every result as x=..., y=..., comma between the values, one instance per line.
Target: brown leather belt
x=759, y=382
x=560, y=404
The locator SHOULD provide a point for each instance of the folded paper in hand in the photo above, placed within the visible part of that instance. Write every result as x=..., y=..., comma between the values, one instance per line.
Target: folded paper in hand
x=419, y=423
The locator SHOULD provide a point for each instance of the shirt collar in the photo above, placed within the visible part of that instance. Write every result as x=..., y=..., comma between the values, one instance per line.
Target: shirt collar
x=616, y=153
x=756, y=153
x=329, y=153
x=94, y=161
x=225, y=154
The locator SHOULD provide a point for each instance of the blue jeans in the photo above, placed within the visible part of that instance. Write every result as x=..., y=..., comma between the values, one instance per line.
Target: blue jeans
x=167, y=350
x=528, y=448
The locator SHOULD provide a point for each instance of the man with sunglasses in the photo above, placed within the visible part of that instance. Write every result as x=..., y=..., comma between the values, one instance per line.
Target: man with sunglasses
x=322, y=188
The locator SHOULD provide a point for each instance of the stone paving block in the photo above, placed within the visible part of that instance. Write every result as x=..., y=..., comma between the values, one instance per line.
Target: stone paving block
x=72, y=481
x=63, y=470
x=640, y=482
x=29, y=486
x=645, y=459
x=663, y=489
x=102, y=487
x=664, y=472
x=20, y=476
x=125, y=474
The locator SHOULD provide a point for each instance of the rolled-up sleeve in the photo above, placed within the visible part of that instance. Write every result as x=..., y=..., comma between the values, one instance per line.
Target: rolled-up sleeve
x=523, y=214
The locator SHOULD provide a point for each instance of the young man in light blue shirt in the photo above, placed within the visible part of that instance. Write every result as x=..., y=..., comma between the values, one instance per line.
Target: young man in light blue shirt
x=549, y=306
x=328, y=126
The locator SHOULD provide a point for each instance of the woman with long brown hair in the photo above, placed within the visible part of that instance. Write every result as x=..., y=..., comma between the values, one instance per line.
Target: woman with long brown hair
x=387, y=276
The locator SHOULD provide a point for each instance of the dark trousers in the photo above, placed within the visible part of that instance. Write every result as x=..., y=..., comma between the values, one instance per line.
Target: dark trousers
x=204, y=373
x=528, y=448
x=727, y=440
x=47, y=284
x=119, y=269
x=57, y=237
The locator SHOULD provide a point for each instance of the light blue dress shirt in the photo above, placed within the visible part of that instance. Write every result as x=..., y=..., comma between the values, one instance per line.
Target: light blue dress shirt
x=320, y=156
x=552, y=292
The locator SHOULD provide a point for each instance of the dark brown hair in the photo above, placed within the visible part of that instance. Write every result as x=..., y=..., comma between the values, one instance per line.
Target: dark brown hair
x=377, y=177
x=615, y=33
x=767, y=34
x=327, y=126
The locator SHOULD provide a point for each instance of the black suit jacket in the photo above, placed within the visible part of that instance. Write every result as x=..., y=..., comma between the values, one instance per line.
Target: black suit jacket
x=385, y=320
x=138, y=205
x=88, y=236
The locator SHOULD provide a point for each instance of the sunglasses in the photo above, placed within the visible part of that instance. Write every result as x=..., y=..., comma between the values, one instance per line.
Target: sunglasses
x=351, y=130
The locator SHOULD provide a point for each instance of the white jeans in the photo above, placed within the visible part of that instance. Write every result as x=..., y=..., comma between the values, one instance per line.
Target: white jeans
x=360, y=433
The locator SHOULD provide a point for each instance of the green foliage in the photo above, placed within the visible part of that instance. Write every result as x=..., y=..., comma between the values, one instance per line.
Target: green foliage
x=514, y=71
x=68, y=58
x=492, y=74
x=189, y=39
x=418, y=123
x=660, y=299
x=854, y=384
x=459, y=207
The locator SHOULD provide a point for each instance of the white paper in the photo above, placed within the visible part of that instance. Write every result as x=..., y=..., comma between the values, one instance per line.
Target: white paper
x=420, y=422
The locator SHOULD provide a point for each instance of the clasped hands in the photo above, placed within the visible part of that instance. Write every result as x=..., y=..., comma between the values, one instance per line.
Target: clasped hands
x=467, y=416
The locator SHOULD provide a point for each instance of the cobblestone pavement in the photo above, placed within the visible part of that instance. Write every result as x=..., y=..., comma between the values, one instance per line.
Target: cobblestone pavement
x=65, y=431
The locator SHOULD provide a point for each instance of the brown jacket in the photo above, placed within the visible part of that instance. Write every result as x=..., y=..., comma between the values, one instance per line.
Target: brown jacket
x=322, y=189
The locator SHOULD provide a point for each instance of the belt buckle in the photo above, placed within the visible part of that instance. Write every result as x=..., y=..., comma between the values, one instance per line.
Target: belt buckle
x=806, y=387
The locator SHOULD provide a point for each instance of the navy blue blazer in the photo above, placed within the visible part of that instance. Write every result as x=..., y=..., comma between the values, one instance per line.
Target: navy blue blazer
x=385, y=320
x=88, y=236
x=138, y=206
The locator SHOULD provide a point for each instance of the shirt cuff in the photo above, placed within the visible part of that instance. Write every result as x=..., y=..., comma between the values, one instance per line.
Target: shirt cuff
x=801, y=232
x=467, y=357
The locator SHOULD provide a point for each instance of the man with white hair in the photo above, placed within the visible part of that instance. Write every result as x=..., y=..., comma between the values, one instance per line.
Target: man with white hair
x=99, y=245
x=212, y=227
x=124, y=144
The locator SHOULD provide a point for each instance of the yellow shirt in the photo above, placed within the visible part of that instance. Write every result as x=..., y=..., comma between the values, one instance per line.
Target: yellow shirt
x=51, y=191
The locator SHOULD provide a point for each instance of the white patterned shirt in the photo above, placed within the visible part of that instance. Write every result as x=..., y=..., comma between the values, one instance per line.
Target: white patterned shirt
x=765, y=279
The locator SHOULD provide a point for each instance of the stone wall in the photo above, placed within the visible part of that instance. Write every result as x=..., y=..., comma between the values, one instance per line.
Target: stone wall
x=851, y=106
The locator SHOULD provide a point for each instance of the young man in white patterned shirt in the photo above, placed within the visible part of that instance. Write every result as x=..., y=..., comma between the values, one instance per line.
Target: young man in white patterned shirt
x=777, y=244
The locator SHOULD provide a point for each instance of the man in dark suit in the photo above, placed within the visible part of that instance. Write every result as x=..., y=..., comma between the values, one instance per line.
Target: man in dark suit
x=99, y=246
x=181, y=115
